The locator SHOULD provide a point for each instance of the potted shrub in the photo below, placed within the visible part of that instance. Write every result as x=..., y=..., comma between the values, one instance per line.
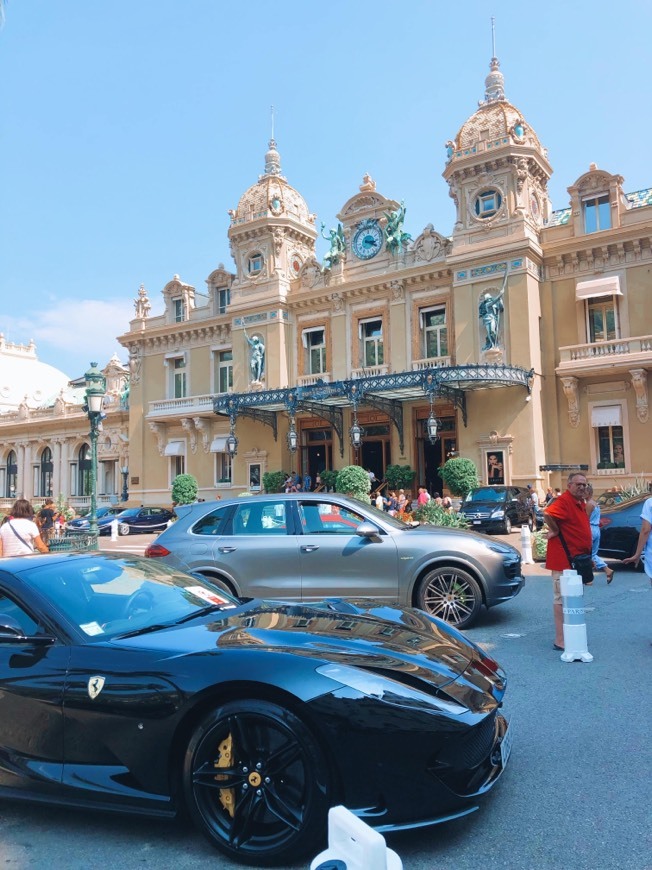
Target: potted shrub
x=184, y=489
x=460, y=476
x=329, y=480
x=432, y=514
x=399, y=477
x=354, y=481
x=273, y=481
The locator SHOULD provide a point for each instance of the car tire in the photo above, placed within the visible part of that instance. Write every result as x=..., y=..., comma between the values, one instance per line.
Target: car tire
x=219, y=583
x=274, y=805
x=530, y=524
x=124, y=528
x=450, y=594
x=507, y=526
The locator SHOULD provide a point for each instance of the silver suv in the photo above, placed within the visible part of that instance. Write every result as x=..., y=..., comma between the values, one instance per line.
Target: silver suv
x=310, y=546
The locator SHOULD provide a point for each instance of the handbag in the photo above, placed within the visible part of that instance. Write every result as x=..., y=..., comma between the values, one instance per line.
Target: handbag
x=582, y=563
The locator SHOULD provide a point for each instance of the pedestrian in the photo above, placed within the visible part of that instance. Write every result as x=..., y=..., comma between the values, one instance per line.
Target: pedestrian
x=307, y=482
x=533, y=503
x=549, y=495
x=380, y=501
x=593, y=511
x=566, y=515
x=644, y=545
x=423, y=498
x=45, y=520
x=19, y=534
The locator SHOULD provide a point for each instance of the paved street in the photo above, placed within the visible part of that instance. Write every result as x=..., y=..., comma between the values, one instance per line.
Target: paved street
x=576, y=793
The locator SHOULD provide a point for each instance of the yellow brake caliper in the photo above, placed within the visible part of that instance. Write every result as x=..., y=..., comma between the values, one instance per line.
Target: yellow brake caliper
x=227, y=795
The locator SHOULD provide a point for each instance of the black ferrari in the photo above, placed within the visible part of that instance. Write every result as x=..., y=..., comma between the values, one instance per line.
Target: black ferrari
x=125, y=685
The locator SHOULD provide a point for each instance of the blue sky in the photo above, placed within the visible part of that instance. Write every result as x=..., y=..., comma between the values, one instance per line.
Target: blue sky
x=128, y=130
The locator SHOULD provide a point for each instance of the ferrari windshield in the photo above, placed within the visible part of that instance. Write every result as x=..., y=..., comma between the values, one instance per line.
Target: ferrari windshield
x=105, y=596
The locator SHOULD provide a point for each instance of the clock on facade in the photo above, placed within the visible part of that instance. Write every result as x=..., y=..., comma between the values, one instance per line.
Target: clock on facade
x=368, y=239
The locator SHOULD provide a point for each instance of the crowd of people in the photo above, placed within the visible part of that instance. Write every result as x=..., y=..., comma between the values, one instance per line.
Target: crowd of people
x=24, y=531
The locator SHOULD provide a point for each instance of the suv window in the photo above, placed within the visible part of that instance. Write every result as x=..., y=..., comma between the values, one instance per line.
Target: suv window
x=211, y=523
x=325, y=518
x=268, y=518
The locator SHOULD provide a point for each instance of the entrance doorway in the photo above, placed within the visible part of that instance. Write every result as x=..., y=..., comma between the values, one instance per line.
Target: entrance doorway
x=375, y=457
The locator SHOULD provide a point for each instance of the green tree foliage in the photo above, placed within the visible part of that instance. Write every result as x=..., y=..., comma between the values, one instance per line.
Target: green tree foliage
x=354, y=481
x=399, y=476
x=460, y=476
x=329, y=479
x=273, y=481
x=432, y=514
x=184, y=489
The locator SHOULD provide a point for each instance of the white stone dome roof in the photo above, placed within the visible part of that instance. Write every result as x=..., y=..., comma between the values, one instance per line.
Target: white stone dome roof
x=493, y=121
x=23, y=378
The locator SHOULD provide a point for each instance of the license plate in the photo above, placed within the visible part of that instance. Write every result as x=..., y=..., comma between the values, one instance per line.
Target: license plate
x=506, y=745
x=476, y=522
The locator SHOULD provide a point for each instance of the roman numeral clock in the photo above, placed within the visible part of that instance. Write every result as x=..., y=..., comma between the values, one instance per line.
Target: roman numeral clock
x=367, y=240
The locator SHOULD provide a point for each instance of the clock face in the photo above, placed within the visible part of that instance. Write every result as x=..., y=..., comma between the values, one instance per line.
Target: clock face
x=368, y=240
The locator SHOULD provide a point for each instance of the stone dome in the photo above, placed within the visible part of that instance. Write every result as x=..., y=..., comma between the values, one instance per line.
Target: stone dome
x=493, y=121
x=271, y=196
x=23, y=378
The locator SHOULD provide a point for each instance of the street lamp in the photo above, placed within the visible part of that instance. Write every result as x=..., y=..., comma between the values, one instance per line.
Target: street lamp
x=124, y=471
x=95, y=392
x=432, y=424
x=232, y=444
x=292, y=437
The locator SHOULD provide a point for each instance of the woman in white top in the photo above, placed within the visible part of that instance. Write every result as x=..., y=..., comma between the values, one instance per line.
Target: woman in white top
x=19, y=534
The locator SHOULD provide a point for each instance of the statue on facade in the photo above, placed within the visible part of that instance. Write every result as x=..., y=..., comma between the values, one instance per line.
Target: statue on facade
x=124, y=395
x=142, y=304
x=337, y=243
x=256, y=357
x=489, y=311
x=395, y=237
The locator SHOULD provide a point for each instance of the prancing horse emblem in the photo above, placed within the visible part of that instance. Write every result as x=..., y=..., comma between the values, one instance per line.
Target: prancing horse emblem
x=95, y=686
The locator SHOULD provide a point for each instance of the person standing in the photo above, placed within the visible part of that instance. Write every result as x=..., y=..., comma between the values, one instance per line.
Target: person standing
x=45, y=519
x=19, y=534
x=593, y=511
x=533, y=503
x=644, y=545
x=566, y=514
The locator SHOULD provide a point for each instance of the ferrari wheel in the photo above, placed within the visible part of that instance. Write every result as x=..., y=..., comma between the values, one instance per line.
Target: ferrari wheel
x=124, y=529
x=452, y=595
x=256, y=783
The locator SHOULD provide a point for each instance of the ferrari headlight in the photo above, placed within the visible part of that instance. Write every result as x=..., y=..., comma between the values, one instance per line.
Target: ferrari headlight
x=388, y=690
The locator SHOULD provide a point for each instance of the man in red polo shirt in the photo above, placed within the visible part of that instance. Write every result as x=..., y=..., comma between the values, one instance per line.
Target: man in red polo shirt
x=568, y=513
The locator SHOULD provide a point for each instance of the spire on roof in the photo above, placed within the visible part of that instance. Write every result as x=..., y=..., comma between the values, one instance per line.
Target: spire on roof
x=494, y=84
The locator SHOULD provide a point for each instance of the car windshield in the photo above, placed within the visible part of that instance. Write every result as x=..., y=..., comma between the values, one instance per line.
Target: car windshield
x=486, y=493
x=108, y=596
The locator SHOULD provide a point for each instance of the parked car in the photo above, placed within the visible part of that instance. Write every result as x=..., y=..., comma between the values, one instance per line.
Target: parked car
x=129, y=686
x=82, y=523
x=497, y=508
x=133, y=521
x=307, y=546
x=621, y=527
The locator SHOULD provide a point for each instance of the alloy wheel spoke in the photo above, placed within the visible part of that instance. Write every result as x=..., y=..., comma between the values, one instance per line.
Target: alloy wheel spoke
x=282, y=758
x=206, y=776
x=290, y=815
x=244, y=817
x=242, y=738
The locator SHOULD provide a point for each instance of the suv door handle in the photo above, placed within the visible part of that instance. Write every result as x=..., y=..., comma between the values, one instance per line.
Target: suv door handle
x=227, y=549
x=309, y=548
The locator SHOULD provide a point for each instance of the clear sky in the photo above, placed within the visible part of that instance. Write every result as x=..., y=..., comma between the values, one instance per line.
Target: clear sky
x=128, y=129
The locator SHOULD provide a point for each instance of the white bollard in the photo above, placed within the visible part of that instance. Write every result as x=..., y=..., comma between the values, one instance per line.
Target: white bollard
x=353, y=845
x=572, y=596
x=526, y=546
x=114, y=530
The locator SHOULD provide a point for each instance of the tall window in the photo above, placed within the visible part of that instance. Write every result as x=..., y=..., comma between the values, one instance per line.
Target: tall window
x=597, y=214
x=602, y=319
x=224, y=371
x=84, y=470
x=223, y=299
x=315, y=357
x=179, y=382
x=177, y=466
x=45, y=473
x=179, y=310
x=434, y=332
x=371, y=339
x=11, y=479
x=611, y=447
x=223, y=468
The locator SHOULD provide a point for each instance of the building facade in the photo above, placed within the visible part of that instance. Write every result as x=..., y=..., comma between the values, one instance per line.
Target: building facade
x=526, y=333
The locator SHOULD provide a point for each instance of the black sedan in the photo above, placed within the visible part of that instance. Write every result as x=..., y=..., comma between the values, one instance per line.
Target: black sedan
x=134, y=521
x=621, y=524
x=82, y=523
x=125, y=685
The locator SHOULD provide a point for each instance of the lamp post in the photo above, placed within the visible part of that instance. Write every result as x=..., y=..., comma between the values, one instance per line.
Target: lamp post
x=95, y=391
x=124, y=471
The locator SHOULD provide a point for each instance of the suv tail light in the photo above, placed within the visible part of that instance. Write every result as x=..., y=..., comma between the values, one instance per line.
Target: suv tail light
x=155, y=551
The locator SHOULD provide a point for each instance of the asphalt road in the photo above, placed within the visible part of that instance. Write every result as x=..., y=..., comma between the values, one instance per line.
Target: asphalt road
x=576, y=793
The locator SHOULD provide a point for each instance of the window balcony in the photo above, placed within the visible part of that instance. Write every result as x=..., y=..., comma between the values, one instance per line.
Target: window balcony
x=309, y=380
x=184, y=407
x=616, y=356
x=370, y=371
x=434, y=362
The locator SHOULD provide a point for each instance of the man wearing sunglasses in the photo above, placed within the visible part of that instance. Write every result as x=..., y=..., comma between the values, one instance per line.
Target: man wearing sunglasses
x=568, y=514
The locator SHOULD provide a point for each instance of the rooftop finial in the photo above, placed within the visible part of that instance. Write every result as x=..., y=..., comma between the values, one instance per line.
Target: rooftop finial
x=494, y=84
x=272, y=158
x=272, y=113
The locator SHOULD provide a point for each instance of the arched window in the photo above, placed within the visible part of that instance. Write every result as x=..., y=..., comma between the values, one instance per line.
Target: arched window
x=45, y=476
x=84, y=470
x=11, y=476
